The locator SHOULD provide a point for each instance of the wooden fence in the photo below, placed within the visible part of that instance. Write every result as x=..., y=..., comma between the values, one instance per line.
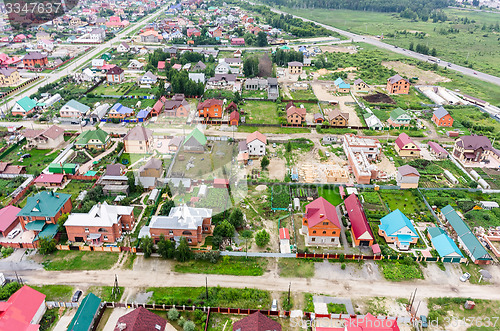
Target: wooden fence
x=29, y=81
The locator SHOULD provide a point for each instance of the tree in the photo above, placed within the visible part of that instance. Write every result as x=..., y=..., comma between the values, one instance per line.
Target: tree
x=264, y=163
x=433, y=52
x=131, y=181
x=147, y=246
x=224, y=230
x=8, y=290
x=166, y=207
x=411, y=46
x=262, y=238
x=236, y=218
x=60, y=222
x=237, y=97
x=288, y=146
x=166, y=248
x=46, y=245
x=183, y=252
x=261, y=39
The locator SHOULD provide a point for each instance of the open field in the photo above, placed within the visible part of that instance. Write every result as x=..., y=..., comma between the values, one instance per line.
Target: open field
x=36, y=163
x=470, y=45
x=266, y=129
x=55, y=292
x=239, y=266
x=78, y=260
x=259, y=112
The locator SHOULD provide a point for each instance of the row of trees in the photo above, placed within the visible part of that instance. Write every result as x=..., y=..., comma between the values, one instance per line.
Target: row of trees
x=281, y=57
x=422, y=49
x=167, y=249
x=260, y=40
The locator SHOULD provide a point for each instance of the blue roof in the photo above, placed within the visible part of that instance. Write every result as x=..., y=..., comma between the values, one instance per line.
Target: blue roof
x=405, y=238
x=445, y=245
x=338, y=81
x=121, y=108
x=44, y=204
x=440, y=112
x=78, y=106
x=394, y=222
x=344, y=85
x=143, y=113
x=435, y=231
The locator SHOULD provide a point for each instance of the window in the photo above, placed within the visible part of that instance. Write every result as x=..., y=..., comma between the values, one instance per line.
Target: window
x=313, y=239
x=324, y=232
x=325, y=223
x=170, y=232
x=189, y=240
x=105, y=237
x=314, y=231
x=333, y=232
x=333, y=240
x=86, y=229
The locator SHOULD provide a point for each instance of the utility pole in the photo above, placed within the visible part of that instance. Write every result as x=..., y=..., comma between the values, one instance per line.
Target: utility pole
x=289, y=286
x=206, y=287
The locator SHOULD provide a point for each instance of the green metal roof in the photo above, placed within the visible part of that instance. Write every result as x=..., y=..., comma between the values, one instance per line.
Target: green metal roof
x=35, y=225
x=398, y=112
x=26, y=103
x=83, y=109
x=455, y=220
x=97, y=134
x=198, y=135
x=84, y=317
x=49, y=231
x=44, y=204
x=69, y=166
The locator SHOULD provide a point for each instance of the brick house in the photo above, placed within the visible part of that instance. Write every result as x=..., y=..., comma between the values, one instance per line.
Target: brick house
x=33, y=60
x=320, y=224
x=44, y=208
x=50, y=180
x=115, y=75
x=103, y=223
x=211, y=108
x=295, y=67
x=8, y=219
x=295, y=115
x=178, y=106
x=398, y=85
x=474, y=148
x=441, y=117
x=405, y=147
x=182, y=221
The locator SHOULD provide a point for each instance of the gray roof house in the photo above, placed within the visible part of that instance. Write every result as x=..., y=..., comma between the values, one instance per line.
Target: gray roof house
x=74, y=108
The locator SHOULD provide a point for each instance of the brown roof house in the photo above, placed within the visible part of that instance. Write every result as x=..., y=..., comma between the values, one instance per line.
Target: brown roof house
x=50, y=138
x=336, y=118
x=256, y=322
x=140, y=319
x=295, y=115
x=398, y=85
x=475, y=149
x=149, y=173
x=138, y=140
x=407, y=177
x=10, y=169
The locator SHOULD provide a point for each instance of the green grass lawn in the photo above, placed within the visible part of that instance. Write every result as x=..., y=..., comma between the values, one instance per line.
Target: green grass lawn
x=74, y=187
x=61, y=293
x=482, y=123
x=36, y=163
x=296, y=268
x=470, y=45
x=238, y=266
x=265, y=129
x=106, y=293
x=403, y=200
x=303, y=95
x=79, y=260
x=332, y=195
x=217, y=296
x=254, y=94
x=258, y=112
x=143, y=91
x=112, y=89
x=397, y=272
x=336, y=308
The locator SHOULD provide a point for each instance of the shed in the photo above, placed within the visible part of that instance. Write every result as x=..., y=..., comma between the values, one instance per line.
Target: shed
x=69, y=168
x=203, y=191
x=55, y=168
x=221, y=183
x=153, y=195
x=284, y=241
x=296, y=203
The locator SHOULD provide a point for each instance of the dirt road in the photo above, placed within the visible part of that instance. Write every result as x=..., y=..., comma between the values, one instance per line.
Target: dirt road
x=269, y=281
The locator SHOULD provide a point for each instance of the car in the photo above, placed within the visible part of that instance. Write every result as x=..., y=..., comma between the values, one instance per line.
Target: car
x=274, y=306
x=25, y=156
x=76, y=296
x=159, y=144
x=423, y=321
x=327, y=154
x=13, y=234
x=465, y=277
x=274, y=145
x=475, y=73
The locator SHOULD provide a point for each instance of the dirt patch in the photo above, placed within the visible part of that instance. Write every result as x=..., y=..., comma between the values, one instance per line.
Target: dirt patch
x=276, y=168
x=424, y=77
x=339, y=49
x=379, y=98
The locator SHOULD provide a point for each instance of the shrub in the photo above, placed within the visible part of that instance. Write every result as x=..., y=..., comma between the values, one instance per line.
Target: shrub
x=343, y=266
x=173, y=314
x=189, y=326
x=262, y=238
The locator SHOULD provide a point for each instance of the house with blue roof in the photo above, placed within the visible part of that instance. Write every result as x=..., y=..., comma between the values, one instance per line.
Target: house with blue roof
x=120, y=111
x=465, y=238
x=442, y=243
x=143, y=114
x=397, y=229
x=338, y=81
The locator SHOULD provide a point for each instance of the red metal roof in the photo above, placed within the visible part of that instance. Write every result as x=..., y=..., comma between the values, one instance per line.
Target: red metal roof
x=140, y=319
x=359, y=223
x=256, y=322
x=19, y=310
x=7, y=216
x=284, y=233
x=371, y=323
x=234, y=116
x=320, y=210
x=50, y=178
x=403, y=140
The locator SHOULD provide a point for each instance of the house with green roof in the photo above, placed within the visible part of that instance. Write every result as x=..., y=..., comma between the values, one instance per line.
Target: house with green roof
x=465, y=238
x=24, y=107
x=399, y=117
x=397, y=229
x=41, y=212
x=74, y=109
x=98, y=139
x=195, y=142
x=86, y=314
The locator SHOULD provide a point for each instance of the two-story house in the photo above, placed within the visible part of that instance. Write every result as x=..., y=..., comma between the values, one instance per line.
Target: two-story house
x=256, y=144
x=139, y=140
x=398, y=85
x=295, y=115
x=336, y=118
x=295, y=67
x=74, y=109
x=96, y=139
x=397, y=229
x=405, y=147
x=210, y=108
x=399, y=117
x=320, y=224
x=441, y=117
x=115, y=75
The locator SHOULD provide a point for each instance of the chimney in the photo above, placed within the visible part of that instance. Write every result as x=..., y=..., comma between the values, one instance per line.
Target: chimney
x=38, y=201
x=321, y=215
x=57, y=196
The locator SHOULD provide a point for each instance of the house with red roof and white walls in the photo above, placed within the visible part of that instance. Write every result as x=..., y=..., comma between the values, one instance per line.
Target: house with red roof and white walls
x=23, y=310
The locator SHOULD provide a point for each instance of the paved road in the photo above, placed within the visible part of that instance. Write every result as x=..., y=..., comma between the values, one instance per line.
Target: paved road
x=373, y=41
x=50, y=78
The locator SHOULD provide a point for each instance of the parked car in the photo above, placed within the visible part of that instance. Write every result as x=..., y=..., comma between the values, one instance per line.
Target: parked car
x=159, y=144
x=13, y=234
x=327, y=154
x=465, y=277
x=423, y=321
x=76, y=296
x=274, y=145
x=274, y=306
x=25, y=156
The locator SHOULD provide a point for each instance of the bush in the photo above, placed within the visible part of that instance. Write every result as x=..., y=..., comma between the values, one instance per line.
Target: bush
x=6, y=251
x=343, y=266
x=173, y=314
x=262, y=238
x=8, y=290
x=189, y=326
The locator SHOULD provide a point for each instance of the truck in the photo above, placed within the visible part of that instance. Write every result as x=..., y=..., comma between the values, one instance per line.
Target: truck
x=433, y=59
